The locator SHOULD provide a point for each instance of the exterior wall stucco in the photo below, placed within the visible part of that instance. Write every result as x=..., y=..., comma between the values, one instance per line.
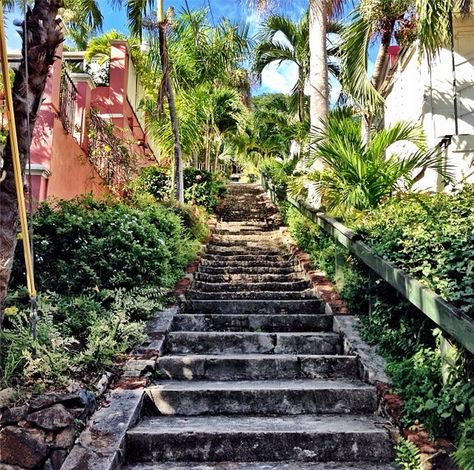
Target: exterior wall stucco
x=423, y=92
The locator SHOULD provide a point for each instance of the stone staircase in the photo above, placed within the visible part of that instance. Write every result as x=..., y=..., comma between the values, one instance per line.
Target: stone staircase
x=254, y=377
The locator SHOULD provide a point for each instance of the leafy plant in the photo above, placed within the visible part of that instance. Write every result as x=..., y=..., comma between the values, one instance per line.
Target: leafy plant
x=86, y=244
x=408, y=456
x=464, y=455
x=359, y=176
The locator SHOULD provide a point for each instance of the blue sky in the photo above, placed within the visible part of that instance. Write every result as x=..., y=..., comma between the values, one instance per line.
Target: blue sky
x=274, y=79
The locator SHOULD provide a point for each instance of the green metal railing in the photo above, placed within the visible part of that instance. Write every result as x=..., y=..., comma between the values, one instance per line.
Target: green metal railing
x=449, y=318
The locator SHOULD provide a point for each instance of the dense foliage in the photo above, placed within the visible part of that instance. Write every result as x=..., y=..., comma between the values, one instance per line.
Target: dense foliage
x=435, y=387
x=102, y=269
x=431, y=238
x=201, y=187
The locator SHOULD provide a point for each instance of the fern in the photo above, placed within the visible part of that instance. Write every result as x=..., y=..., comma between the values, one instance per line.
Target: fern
x=408, y=456
x=464, y=455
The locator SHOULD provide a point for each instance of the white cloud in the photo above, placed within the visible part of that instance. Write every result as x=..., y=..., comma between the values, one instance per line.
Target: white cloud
x=279, y=78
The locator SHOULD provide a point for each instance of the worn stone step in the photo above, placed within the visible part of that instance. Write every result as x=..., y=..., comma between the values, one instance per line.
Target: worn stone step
x=299, y=285
x=248, y=232
x=260, y=466
x=250, y=262
x=249, y=278
x=231, y=241
x=236, y=269
x=246, y=342
x=264, y=323
x=246, y=258
x=316, y=438
x=245, y=307
x=265, y=397
x=244, y=251
x=251, y=295
x=256, y=367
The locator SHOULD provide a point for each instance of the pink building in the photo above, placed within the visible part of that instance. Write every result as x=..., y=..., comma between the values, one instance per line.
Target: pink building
x=88, y=138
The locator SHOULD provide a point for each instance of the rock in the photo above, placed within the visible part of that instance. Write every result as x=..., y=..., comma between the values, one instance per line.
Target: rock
x=52, y=419
x=65, y=439
x=82, y=398
x=57, y=458
x=45, y=401
x=13, y=415
x=5, y=397
x=24, y=447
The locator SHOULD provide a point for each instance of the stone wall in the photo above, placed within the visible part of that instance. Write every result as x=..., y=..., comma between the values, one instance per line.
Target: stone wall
x=39, y=433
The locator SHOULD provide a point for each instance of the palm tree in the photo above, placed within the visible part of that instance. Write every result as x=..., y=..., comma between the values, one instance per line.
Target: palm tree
x=360, y=175
x=205, y=64
x=319, y=13
x=294, y=48
x=39, y=47
x=166, y=88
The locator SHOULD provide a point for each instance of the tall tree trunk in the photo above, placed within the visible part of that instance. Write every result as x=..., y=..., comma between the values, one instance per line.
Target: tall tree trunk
x=44, y=36
x=377, y=79
x=207, y=156
x=301, y=103
x=178, y=156
x=216, y=158
x=318, y=64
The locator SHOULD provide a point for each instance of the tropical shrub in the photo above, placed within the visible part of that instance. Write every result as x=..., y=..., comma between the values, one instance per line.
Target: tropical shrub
x=464, y=455
x=102, y=269
x=359, y=176
x=155, y=181
x=86, y=244
x=201, y=187
x=431, y=238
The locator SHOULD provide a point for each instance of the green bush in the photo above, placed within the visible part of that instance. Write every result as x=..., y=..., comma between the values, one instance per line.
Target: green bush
x=86, y=244
x=156, y=181
x=201, y=187
x=102, y=268
x=464, y=455
x=431, y=238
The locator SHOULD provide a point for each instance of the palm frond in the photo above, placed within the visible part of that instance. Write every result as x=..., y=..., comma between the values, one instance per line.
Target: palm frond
x=354, y=62
x=433, y=25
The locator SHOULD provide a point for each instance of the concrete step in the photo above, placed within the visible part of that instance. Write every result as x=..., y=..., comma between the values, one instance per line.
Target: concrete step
x=220, y=342
x=249, y=278
x=260, y=466
x=239, y=269
x=299, y=285
x=245, y=307
x=263, y=323
x=251, y=295
x=256, y=367
x=316, y=438
x=265, y=397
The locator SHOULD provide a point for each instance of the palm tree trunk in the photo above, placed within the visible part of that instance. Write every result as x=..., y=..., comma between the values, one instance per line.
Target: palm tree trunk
x=178, y=157
x=378, y=76
x=44, y=36
x=216, y=158
x=207, y=156
x=301, y=103
x=318, y=65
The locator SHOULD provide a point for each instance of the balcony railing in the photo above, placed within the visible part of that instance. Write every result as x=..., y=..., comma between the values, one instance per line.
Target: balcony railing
x=111, y=155
x=67, y=102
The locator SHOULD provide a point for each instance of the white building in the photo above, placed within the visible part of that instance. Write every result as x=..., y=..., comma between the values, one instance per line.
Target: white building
x=440, y=95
